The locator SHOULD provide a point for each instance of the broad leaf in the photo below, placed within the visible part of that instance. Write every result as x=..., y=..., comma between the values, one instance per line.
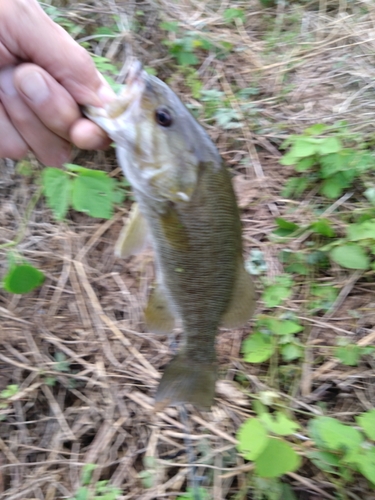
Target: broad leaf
x=257, y=348
x=290, y=352
x=284, y=326
x=349, y=354
x=366, y=464
x=362, y=231
x=279, y=423
x=351, y=256
x=277, y=459
x=275, y=294
x=23, y=278
x=323, y=227
x=57, y=189
x=334, y=435
x=329, y=145
x=93, y=194
x=367, y=422
x=252, y=437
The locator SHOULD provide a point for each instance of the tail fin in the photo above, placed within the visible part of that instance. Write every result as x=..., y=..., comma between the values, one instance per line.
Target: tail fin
x=187, y=381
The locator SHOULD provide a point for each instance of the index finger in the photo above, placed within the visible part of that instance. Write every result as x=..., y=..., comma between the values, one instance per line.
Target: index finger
x=29, y=34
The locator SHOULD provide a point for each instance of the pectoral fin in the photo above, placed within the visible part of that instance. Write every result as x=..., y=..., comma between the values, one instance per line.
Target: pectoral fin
x=242, y=304
x=158, y=315
x=133, y=236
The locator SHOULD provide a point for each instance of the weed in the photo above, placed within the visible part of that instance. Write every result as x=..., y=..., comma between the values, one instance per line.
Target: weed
x=326, y=160
x=10, y=391
x=86, y=190
x=101, y=490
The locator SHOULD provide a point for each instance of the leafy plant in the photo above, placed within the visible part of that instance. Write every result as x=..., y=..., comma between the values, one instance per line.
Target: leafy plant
x=326, y=160
x=271, y=333
x=259, y=440
x=86, y=190
x=183, y=48
x=343, y=449
x=191, y=494
x=21, y=277
x=185, y=45
x=232, y=14
x=278, y=291
x=10, y=391
x=101, y=490
x=349, y=354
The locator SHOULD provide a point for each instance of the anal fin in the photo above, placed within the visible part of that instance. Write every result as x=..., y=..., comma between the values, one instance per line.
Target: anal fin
x=243, y=301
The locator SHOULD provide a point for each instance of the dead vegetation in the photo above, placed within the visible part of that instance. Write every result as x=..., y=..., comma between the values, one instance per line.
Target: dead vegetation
x=76, y=347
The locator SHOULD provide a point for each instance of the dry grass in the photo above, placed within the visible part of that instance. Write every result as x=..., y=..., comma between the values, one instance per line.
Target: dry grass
x=76, y=347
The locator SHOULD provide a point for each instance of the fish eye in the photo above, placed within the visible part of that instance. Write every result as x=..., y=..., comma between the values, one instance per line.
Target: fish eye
x=163, y=117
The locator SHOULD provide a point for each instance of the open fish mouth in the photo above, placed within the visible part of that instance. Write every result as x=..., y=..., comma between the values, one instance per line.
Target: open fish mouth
x=135, y=86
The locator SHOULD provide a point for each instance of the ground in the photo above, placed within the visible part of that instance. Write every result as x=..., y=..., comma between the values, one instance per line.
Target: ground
x=85, y=368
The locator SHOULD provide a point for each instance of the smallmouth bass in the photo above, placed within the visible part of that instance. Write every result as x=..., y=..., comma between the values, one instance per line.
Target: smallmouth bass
x=186, y=204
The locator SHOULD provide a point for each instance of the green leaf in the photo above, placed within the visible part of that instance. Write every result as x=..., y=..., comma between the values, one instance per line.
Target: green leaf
x=72, y=167
x=288, y=159
x=332, y=187
x=57, y=189
x=367, y=422
x=277, y=459
x=323, y=227
x=325, y=461
x=316, y=129
x=284, y=326
x=284, y=224
x=361, y=231
x=22, y=279
x=232, y=13
x=169, y=26
x=305, y=146
x=334, y=435
x=82, y=493
x=257, y=348
x=275, y=294
x=87, y=471
x=366, y=464
x=351, y=256
x=93, y=194
x=337, y=162
x=329, y=145
x=278, y=423
x=252, y=437
x=305, y=164
x=11, y=390
x=290, y=352
x=296, y=186
x=349, y=354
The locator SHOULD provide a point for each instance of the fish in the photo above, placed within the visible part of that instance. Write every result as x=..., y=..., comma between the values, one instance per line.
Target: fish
x=186, y=207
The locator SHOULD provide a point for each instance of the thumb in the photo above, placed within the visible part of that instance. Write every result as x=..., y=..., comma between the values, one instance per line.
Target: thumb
x=30, y=35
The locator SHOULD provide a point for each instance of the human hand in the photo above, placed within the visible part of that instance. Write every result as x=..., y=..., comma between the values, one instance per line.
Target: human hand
x=44, y=76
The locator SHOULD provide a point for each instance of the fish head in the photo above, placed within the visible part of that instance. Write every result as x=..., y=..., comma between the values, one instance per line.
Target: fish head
x=160, y=145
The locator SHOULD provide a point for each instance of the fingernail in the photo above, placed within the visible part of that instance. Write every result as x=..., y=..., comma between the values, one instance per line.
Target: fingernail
x=34, y=87
x=6, y=82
